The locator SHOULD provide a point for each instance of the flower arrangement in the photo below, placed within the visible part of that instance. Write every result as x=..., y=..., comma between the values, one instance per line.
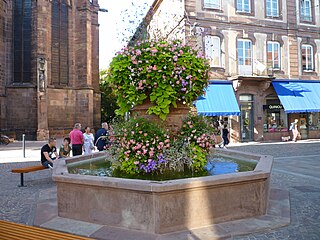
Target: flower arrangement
x=141, y=145
x=161, y=71
x=145, y=147
x=198, y=132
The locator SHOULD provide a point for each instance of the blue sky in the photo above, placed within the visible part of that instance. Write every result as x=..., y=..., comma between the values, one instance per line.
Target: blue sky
x=118, y=24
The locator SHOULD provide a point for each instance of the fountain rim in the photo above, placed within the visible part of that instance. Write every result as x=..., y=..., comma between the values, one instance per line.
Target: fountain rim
x=261, y=172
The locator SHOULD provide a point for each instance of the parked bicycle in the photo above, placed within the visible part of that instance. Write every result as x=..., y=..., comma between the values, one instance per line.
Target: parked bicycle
x=4, y=140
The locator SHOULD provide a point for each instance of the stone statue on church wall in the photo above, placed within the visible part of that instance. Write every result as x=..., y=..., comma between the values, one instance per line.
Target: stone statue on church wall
x=42, y=74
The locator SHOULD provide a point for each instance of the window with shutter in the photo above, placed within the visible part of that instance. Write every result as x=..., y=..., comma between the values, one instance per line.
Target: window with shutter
x=213, y=50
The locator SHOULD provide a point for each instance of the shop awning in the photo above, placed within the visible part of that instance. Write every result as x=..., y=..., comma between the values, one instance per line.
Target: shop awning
x=298, y=95
x=219, y=100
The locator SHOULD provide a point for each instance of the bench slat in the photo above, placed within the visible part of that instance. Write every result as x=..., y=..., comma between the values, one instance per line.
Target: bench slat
x=16, y=231
x=32, y=233
x=17, y=235
x=28, y=169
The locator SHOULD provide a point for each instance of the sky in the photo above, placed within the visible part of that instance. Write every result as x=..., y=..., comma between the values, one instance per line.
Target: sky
x=117, y=25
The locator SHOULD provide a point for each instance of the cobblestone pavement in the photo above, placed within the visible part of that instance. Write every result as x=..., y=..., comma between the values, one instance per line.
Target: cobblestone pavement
x=296, y=168
x=17, y=204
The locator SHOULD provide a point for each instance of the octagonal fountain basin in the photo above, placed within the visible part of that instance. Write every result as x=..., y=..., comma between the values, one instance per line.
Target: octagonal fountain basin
x=163, y=206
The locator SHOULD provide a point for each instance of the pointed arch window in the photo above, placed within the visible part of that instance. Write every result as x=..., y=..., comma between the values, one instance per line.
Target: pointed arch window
x=59, y=44
x=22, y=37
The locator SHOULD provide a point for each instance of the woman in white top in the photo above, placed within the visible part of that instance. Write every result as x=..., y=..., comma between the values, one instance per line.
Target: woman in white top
x=88, y=139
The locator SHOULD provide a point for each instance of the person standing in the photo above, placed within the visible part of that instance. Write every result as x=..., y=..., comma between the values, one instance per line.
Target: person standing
x=294, y=129
x=76, y=137
x=225, y=133
x=47, y=152
x=100, y=140
x=88, y=139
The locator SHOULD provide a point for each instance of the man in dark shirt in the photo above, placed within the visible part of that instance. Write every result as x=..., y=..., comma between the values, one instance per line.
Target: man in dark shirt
x=100, y=138
x=47, y=152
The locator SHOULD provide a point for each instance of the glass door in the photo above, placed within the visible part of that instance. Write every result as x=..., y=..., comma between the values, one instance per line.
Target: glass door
x=246, y=121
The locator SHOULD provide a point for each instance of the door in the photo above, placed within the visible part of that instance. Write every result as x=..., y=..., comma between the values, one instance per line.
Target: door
x=246, y=121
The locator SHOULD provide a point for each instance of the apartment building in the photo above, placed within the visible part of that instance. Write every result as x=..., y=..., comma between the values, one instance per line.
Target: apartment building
x=268, y=50
x=49, y=67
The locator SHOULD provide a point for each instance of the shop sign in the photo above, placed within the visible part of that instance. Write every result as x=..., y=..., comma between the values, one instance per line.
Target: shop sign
x=273, y=107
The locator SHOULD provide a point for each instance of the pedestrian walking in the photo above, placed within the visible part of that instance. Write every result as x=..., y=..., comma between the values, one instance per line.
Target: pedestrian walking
x=76, y=137
x=100, y=138
x=294, y=129
x=225, y=133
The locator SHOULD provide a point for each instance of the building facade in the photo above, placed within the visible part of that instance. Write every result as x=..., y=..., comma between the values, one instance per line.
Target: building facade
x=49, y=66
x=254, y=44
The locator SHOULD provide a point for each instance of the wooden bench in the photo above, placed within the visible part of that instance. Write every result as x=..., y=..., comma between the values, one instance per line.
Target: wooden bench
x=26, y=170
x=12, y=231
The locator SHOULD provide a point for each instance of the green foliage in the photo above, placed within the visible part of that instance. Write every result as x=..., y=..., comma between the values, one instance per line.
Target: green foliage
x=198, y=156
x=199, y=133
x=108, y=99
x=165, y=72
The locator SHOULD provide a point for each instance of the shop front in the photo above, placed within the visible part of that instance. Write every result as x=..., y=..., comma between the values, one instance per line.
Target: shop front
x=219, y=102
x=295, y=99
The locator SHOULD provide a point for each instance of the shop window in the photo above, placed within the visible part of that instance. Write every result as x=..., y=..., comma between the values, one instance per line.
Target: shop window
x=314, y=121
x=275, y=117
x=213, y=50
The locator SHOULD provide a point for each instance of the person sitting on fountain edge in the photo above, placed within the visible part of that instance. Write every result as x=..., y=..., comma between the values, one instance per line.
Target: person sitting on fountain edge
x=47, y=152
x=99, y=139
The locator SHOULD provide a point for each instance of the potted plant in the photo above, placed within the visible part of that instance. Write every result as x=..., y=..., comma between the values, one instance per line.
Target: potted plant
x=162, y=72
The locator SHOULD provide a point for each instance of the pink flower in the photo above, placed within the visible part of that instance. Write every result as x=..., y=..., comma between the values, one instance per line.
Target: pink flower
x=132, y=132
x=145, y=134
x=136, y=162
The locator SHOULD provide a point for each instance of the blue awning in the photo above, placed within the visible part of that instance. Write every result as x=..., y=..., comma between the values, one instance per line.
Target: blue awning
x=298, y=95
x=219, y=100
